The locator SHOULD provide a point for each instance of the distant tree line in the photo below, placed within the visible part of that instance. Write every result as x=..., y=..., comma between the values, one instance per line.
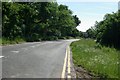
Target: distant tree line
x=107, y=32
x=35, y=21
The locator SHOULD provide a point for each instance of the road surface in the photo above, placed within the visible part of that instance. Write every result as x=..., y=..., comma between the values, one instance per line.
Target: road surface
x=34, y=60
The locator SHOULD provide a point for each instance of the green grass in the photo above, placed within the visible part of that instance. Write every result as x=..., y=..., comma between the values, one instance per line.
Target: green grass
x=102, y=61
x=15, y=41
x=0, y=41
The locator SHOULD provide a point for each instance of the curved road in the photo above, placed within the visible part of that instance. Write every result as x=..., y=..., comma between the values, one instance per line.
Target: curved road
x=34, y=60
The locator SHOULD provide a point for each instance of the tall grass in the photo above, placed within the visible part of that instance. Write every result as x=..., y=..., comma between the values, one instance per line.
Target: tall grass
x=103, y=61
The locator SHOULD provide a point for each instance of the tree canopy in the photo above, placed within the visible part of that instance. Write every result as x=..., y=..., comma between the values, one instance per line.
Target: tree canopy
x=34, y=21
x=107, y=31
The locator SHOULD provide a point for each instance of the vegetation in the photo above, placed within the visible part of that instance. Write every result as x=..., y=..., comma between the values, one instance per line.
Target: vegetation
x=107, y=32
x=36, y=21
x=0, y=41
x=5, y=41
x=100, y=60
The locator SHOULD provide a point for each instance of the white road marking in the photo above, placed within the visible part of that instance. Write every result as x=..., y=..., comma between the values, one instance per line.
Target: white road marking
x=64, y=66
x=37, y=45
x=1, y=56
x=32, y=46
x=14, y=76
x=15, y=51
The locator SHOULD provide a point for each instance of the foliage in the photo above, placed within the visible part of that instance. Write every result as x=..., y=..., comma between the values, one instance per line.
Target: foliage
x=100, y=60
x=5, y=41
x=107, y=32
x=91, y=33
x=35, y=21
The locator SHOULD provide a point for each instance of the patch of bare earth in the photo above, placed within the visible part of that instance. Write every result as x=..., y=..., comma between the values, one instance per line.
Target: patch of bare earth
x=83, y=74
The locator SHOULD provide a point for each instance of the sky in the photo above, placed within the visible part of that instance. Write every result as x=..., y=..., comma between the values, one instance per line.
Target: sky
x=90, y=11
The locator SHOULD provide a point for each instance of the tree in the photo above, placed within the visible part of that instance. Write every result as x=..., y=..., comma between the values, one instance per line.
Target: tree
x=91, y=33
x=108, y=30
x=38, y=21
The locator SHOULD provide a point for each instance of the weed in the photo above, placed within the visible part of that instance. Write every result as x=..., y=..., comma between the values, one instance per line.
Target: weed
x=103, y=61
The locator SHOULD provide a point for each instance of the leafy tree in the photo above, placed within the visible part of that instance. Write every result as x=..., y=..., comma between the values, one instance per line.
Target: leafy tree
x=38, y=21
x=91, y=33
x=107, y=32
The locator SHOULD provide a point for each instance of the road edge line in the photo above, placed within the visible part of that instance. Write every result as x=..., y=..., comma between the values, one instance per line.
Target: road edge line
x=64, y=66
x=69, y=65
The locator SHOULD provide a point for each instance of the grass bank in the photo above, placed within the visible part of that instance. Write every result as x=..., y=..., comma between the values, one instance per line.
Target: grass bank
x=102, y=61
x=5, y=41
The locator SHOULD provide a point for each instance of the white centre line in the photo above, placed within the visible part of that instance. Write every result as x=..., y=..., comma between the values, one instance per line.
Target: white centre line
x=32, y=46
x=1, y=56
x=15, y=51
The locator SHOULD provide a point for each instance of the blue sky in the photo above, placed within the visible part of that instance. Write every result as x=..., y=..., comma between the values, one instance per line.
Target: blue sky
x=89, y=12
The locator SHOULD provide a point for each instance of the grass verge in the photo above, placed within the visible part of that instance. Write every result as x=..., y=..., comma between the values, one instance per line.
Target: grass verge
x=15, y=41
x=100, y=60
x=0, y=41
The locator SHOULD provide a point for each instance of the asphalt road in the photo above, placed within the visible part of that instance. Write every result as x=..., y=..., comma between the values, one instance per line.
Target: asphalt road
x=34, y=60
